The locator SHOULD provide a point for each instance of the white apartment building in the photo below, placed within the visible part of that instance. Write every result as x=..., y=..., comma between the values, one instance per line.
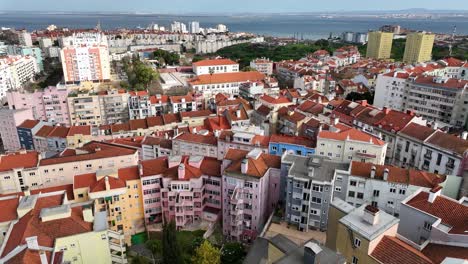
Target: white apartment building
x=262, y=65
x=83, y=39
x=349, y=144
x=194, y=27
x=381, y=186
x=390, y=90
x=215, y=66
x=16, y=71
x=178, y=27
x=85, y=63
x=25, y=39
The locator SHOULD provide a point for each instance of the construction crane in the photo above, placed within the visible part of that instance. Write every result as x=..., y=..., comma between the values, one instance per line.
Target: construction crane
x=452, y=40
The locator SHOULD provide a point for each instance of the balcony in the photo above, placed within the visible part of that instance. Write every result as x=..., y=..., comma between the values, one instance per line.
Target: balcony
x=450, y=165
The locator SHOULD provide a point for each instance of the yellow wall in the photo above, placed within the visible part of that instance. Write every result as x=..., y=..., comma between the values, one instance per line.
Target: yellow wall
x=334, y=215
x=379, y=45
x=274, y=253
x=344, y=246
x=418, y=47
x=86, y=248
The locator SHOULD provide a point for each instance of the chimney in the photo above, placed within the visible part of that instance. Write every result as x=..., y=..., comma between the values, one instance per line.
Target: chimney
x=88, y=214
x=385, y=174
x=434, y=125
x=371, y=215
x=336, y=120
x=238, y=113
x=364, y=102
x=32, y=243
x=26, y=191
x=372, y=173
x=434, y=193
x=43, y=257
x=244, y=166
x=311, y=250
x=194, y=130
x=181, y=171
x=464, y=135
x=386, y=110
x=107, y=183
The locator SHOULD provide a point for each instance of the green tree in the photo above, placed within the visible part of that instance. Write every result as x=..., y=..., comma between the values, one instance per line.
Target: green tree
x=171, y=252
x=156, y=248
x=232, y=253
x=207, y=254
x=247, y=69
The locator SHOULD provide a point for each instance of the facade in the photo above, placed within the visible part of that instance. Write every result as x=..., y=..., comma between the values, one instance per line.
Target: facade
x=181, y=188
x=285, y=144
x=182, y=103
x=139, y=105
x=195, y=144
x=85, y=63
x=262, y=65
x=251, y=190
x=382, y=186
x=116, y=192
x=16, y=71
x=226, y=83
x=84, y=109
x=308, y=189
x=10, y=119
x=29, y=170
x=242, y=140
x=349, y=144
x=379, y=45
x=49, y=104
x=418, y=47
x=154, y=147
x=215, y=66
x=114, y=106
x=26, y=131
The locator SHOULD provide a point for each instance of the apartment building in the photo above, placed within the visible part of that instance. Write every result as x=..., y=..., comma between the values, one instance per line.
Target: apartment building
x=30, y=170
x=84, y=109
x=301, y=146
x=226, y=83
x=47, y=229
x=356, y=232
x=439, y=99
x=155, y=147
x=117, y=192
x=26, y=131
x=347, y=144
x=49, y=104
x=78, y=136
x=181, y=188
x=432, y=150
x=15, y=71
x=114, y=106
x=85, y=63
x=251, y=190
x=57, y=139
x=418, y=47
x=243, y=140
x=195, y=144
x=379, y=45
x=10, y=119
x=182, y=103
x=390, y=90
x=308, y=189
x=383, y=186
x=262, y=65
x=215, y=66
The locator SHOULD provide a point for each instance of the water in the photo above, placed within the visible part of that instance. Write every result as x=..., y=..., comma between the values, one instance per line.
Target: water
x=310, y=26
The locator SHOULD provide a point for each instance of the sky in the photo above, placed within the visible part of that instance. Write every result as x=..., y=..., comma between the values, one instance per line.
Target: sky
x=225, y=6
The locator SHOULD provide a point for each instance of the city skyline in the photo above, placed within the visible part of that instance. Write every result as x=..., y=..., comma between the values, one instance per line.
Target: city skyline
x=261, y=6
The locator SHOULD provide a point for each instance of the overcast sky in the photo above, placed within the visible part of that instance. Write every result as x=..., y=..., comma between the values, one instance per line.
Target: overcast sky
x=213, y=6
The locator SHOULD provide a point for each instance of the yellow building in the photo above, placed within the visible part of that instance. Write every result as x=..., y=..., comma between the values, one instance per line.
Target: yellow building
x=418, y=47
x=78, y=136
x=355, y=232
x=379, y=45
x=116, y=193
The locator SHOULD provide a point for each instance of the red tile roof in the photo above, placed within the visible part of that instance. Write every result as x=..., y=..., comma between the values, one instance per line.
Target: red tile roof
x=79, y=130
x=115, y=128
x=301, y=141
x=59, y=132
x=398, y=175
x=171, y=118
x=44, y=131
x=114, y=183
x=216, y=62
x=160, y=166
x=394, y=120
x=437, y=252
x=177, y=99
x=449, y=142
x=255, y=167
x=153, y=166
x=154, y=121
x=200, y=113
x=217, y=123
x=392, y=250
x=277, y=100
x=84, y=180
x=233, y=77
x=136, y=124
x=351, y=134
x=263, y=110
x=450, y=83
x=157, y=141
x=94, y=150
x=312, y=107
x=68, y=188
x=19, y=160
x=129, y=173
x=195, y=138
x=9, y=204
x=417, y=131
x=29, y=124
x=451, y=212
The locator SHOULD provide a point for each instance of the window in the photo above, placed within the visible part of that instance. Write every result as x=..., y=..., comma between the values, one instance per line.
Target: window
x=354, y=260
x=80, y=195
x=352, y=183
x=338, y=188
x=390, y=203
x=317, y=188
x=357, y=242
x=427, y=226
x=392, y=190
x=376, y=193
x=248, y=184
x=360, y=195
x=402, y=191
x=316, y=200
x=375, y=204
x=351, y=194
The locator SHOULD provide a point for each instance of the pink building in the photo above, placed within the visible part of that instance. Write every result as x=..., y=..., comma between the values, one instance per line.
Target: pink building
x=9, y=120
x=49, y=104
x=181, y=188
x=251, y=188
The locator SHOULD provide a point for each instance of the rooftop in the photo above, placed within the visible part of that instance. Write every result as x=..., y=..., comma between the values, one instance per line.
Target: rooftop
x=232, y=77
x=215, y=62
x=317, y=168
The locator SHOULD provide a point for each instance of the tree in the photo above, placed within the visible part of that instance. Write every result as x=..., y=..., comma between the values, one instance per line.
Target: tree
x=247, y=69
x=139, y=260
x=156, y=248
x=232, y=253
x=207, y=254
x=171, y=252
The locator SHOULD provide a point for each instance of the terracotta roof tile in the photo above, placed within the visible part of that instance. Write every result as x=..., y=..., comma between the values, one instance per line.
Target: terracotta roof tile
x=200, y=113
x=392, y=250
x=437, y=252
x=59, y=131
x=154, y=121
x=300, y=141
x=215, y=62
x=19, y=160
x=9, y=204
x=136, y=124
x=395, y=121
x=29, y=124
x=351, y=134
x=171, y=118
x=449, y=142
x=417, y=131
x=44, y=131
x=196, y=138
x=255, y=167
x=233, y=77
x=79, y=130
x=129, y=173
x=277, y=100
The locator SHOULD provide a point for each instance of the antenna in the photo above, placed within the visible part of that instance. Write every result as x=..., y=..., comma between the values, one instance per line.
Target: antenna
x=452, y=40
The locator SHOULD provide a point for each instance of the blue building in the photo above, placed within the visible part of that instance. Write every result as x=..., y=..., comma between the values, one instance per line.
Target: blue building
x=26, y=132
x=279, y=144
